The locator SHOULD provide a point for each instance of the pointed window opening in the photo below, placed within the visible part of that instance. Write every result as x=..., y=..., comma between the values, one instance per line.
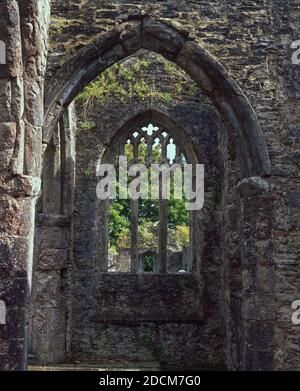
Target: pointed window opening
x=144, y=233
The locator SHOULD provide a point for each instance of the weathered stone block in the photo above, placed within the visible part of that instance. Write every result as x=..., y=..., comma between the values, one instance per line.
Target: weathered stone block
x=258, y=306
x=17, y=354
x=261, y=333
x=48, y=341
x=13, y=262
x=131, y=37
x=47, y=289
x=16, y=292
x=34, y=102
x=259, y=360
x=32, y=150
x=5, y=100
x=14, y=64
x=162, y=39
x=16, y=215
x=15, y=323
x=188, y=60
x=50, y=258
x=53, y=237
x=7, y=142
x=254, y=186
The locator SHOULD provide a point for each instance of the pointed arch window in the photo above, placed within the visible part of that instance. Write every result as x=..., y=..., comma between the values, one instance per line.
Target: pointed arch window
x=157, y=226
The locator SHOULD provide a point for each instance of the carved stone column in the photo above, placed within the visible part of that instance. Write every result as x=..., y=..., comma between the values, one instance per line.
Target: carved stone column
x=23, y=29
x=48, y=339
x=258, y=301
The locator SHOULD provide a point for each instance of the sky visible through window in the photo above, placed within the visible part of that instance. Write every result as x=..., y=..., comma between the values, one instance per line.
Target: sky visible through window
x=171, y=149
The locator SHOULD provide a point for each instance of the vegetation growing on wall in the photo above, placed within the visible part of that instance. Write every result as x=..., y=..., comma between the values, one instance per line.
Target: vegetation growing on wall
x=126, y=80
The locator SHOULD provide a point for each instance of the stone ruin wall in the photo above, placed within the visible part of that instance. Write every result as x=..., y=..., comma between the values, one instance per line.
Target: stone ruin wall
x=206, y=130
x=250, y=38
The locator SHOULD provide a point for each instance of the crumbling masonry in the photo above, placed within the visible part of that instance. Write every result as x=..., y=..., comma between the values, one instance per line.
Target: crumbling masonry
x=241, y=119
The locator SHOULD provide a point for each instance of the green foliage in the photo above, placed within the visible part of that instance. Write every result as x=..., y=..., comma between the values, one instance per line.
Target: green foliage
x=169, y=67
x=141, y=89
x=119, y=224
x=58, y=23
x=105, y=85
x=125, y=81
x=181, y=236
x=121, y=80
x=88, y=172
x=177, y=213
x=148, y=263
x=147, y=234
x=148, y=215
x=87, y=125
x=166, y=96
x=179, y=87
x=142, y=63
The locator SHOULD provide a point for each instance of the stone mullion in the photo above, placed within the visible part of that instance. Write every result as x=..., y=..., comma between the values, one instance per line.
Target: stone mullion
x=149, y=156
x=52, y=183
x=134, y=235
x=191, y=267
x=134, y=210
x=103, y=235
x=258, y=276
x=163, y=230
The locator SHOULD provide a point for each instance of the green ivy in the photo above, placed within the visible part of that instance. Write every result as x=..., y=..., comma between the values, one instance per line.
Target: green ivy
x=125, y=81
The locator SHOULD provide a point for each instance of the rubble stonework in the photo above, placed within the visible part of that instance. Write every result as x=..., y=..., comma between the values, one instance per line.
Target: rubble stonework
x=24, y=27
x=240, y=54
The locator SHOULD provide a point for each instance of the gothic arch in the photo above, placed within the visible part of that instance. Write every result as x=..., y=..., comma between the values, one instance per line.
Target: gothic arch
x=123, y=130
x=177, y=46
x=240, y=119
x=163, y=119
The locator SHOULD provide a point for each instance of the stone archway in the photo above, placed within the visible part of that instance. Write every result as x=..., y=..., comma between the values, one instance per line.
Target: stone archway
x=177, y=128
x=243, y=126
x=176, y=46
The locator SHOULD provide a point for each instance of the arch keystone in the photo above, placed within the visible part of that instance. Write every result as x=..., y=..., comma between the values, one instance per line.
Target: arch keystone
x=162, y=39
x=131, y=36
